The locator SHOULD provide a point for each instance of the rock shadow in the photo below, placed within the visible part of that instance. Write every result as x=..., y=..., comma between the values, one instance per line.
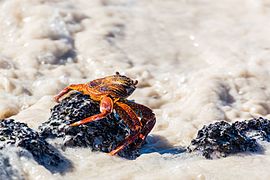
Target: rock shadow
x=52, y=160
x=161, y=145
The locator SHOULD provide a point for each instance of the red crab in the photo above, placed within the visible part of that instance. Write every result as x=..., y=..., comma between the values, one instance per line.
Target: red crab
x=111, y=92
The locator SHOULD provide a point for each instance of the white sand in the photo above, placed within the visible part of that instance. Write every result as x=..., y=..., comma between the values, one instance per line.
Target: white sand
x=197, y=61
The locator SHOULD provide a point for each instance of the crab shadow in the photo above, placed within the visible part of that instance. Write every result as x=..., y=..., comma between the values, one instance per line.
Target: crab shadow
x=159, y=144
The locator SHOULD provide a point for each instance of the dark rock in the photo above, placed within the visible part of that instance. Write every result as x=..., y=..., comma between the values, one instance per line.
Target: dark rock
x=221, y=139
x=257, y=128
x=20, y=135
x=102, y=135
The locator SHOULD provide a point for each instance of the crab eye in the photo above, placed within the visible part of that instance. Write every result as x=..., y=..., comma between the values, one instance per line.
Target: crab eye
x=135, y=82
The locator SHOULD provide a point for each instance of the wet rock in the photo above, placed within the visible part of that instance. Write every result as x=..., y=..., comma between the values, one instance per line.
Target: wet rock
x=20, y=135
x=102, y=135
x=221, y=139
x=257, y=128
x=7, y=171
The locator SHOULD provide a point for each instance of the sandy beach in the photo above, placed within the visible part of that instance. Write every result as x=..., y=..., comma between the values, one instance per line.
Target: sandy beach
x=196, y=61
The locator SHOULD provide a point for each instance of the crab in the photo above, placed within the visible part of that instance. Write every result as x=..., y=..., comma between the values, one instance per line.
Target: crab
x=111, y=93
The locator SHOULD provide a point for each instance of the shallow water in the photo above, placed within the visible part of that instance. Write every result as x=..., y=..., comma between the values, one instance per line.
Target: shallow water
x=197, y=61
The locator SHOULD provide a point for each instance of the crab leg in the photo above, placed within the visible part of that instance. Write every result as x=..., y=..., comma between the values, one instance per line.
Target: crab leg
x=77, y=87
x=128, y=115
x=123, y=144
x=148, y=120
x=106, y=107
x=141, y=128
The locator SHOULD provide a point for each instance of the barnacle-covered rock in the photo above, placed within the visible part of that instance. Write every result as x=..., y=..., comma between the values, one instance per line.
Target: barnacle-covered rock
x=257, y=128
x=102, y=135
x=221, y=139
x=20, y=135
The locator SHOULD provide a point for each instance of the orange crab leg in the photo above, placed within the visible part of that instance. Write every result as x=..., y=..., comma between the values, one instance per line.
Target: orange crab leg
x=106, y=107
x=128, y=115
x=77, y=87
x=133, y=122
x=147, y=123
x=148, y=120
x=123, y=144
